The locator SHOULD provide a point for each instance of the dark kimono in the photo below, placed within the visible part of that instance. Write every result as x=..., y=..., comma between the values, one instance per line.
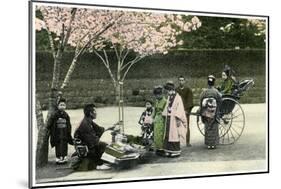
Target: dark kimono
x=209, y=118
x=89, y=133
x=60, y=132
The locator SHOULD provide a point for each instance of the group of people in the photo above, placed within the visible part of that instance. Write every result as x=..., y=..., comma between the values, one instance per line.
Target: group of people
x=167, y=117
x=88, y=132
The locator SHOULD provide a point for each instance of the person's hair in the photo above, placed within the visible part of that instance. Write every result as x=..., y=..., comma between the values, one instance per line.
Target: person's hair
x=158, y=90
x=211, y=80
x=61, y=100
x=181, y=76
x=149, y=100
x=227, y=73
x=88, y=108
x=169, y=86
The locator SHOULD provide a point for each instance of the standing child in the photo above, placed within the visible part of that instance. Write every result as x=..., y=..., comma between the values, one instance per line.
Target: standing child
x=60, y=132
x=146, y=121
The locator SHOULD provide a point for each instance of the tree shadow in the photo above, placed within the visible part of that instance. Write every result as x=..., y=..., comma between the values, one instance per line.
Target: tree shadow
x=52, y=170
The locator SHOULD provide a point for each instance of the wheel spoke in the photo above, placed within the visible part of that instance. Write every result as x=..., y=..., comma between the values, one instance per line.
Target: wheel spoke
x=232, y=134
x=223, y=139
x=235, y=110
x=223, y=129
x=235, y=131
x=237, y=121
x=233, y=117
x=232, y=122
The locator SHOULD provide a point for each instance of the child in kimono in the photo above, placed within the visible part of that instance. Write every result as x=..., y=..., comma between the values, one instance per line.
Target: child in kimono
x=146, y=121
x=60, y=132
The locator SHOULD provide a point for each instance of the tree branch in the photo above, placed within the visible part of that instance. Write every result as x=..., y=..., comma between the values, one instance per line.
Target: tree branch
x=71, y=68
x=74, y=61
x=97, y=34
x=51, y=43
x=138, y=58
x=116, y=52
x=128, y=63
x=106, y=57
x=100, y=56
x=123, y=58
x=65, y=40
x=106, y=63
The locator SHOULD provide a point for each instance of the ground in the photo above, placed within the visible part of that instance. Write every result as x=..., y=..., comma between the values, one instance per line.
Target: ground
x=248, y=154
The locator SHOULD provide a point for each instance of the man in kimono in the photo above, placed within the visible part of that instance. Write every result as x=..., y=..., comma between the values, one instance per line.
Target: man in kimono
x=89, y=133
x=210, y=100
x=187, y=98
x=175, y=122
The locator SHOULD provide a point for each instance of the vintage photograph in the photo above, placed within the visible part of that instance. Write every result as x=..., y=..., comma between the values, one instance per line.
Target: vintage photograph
x=122, y=94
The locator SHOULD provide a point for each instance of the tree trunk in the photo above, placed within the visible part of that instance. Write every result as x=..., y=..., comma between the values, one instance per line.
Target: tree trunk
x=69, y=72
x=39, y=114
x=117, y=92
x=43, y=133
x=42, y=140
x=42, y=146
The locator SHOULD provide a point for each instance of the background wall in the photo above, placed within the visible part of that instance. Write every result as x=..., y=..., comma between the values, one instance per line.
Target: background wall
x=91, y=82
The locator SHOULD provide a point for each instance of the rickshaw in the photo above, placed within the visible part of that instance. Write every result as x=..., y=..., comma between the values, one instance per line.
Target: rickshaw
x=231, y=118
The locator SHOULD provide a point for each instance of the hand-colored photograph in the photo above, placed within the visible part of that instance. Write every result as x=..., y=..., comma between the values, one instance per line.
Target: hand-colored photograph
x=122, y=94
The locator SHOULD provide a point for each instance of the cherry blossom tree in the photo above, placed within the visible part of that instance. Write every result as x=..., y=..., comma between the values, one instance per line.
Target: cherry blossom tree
x=79, y=28
x=142, y=34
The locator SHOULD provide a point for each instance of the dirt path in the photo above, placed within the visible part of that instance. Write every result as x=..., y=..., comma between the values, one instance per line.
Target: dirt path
x=247, y=154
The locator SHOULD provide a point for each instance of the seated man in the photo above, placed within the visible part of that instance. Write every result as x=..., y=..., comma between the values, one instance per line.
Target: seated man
x=89, y=133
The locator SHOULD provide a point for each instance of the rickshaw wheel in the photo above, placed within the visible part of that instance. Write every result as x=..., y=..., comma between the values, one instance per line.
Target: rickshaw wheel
x=231, y=121
x=200, y=125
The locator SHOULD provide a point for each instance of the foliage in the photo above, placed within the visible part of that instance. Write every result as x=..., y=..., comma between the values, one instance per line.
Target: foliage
x=227, y=33
x=141, y=34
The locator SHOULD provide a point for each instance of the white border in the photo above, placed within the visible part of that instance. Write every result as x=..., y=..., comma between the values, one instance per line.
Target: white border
x=34, y=184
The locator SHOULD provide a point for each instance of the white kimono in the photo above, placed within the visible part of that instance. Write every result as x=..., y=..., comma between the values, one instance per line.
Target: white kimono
x=178, y=121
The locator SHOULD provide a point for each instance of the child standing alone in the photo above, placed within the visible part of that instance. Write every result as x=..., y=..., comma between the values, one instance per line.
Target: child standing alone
x=146, y=122
x=60, y=132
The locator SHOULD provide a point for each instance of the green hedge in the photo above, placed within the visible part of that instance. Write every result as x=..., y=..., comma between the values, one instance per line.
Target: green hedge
x=192, y=63
x=91, y=83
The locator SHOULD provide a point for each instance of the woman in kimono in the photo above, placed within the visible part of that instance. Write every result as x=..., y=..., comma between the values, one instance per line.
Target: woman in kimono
x=227, y=83
x=210, y=100
x=158, y=120
x=175, y=122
